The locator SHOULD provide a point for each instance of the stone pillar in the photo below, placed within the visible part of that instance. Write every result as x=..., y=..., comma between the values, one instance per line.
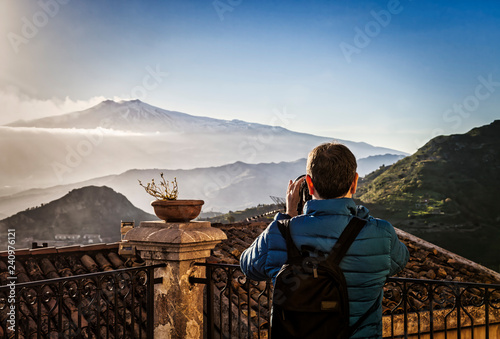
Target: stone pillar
x=178, y=304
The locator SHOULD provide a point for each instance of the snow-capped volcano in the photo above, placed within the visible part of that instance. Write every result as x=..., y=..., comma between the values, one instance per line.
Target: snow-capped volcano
x=135, y=115
x=113, y=137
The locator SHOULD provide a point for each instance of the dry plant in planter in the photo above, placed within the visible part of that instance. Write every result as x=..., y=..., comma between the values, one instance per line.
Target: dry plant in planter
x=166, y=206
x=163, y=191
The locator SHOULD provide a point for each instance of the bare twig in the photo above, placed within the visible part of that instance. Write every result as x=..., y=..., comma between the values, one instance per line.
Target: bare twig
x=162, y=191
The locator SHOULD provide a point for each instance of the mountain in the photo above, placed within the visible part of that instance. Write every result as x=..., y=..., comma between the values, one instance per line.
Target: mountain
x=137, y=116
x=230, y=187
x=97, y=210
x=456, y=174
x=446, y=193
x=113, y=137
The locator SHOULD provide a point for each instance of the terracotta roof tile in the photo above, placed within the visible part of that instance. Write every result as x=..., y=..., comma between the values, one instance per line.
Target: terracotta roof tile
x=427, y=261
x=115, y=259
x=43, y=251
x=21, y=251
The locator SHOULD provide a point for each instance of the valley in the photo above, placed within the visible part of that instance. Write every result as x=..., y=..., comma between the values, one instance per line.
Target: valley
x=445, y=192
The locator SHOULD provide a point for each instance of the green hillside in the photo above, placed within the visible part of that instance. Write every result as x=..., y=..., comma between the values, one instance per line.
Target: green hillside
x=457, y=176
x=445, y=193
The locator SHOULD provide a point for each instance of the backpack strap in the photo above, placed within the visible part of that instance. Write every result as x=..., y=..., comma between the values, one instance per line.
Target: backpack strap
x=338, y=252
x=345, y=240
x=291, y=248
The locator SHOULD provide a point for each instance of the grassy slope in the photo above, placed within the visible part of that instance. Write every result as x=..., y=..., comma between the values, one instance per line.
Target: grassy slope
x=456, y=175
x=446, y=193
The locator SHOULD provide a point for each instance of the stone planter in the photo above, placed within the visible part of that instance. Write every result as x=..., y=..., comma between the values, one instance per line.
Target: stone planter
x=177, y=210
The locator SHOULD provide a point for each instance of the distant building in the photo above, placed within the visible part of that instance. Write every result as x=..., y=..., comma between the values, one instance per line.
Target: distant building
x=124, y=248
x=67, y=237
x=91, y=239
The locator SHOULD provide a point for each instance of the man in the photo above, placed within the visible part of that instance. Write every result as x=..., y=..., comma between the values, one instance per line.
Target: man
x=375, y=255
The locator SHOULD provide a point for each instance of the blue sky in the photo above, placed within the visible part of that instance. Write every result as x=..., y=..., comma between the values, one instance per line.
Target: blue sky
x=390, y=73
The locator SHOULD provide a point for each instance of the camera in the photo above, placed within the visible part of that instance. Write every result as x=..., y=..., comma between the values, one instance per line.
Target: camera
x=304, y=195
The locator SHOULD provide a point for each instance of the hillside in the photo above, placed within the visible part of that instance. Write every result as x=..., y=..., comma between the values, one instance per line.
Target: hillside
x=456, y=175
x=446, y=192
x=90, y=209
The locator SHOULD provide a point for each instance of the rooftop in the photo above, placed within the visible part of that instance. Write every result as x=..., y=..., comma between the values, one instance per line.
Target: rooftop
x=427, y=261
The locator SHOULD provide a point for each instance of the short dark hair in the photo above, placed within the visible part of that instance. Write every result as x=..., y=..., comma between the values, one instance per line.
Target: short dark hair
x=332, y=168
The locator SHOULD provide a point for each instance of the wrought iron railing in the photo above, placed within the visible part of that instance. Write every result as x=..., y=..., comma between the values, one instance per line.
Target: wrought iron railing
x=112, y=304
x=237, y=307
x=415, y=307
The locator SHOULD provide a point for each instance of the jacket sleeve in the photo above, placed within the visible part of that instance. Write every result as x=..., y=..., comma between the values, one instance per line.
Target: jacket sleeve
x=254, y=260
x=399, y=254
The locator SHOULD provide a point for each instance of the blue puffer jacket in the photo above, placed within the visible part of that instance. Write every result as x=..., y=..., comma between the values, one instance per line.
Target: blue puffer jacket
x=375, y=255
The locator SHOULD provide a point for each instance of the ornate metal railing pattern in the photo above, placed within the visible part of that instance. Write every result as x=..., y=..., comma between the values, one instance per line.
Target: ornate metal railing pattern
x=111, y=304
x=426, y=307
x=237, y=307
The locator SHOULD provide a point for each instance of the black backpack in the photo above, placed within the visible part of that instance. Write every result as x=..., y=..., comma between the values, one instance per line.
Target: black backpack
x=310, y=293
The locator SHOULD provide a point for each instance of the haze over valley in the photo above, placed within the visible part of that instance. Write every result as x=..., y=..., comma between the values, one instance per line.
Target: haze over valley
x=220, y=161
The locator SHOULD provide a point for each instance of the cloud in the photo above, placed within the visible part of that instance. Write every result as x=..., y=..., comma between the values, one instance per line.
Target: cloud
x=69, y=131
x=17, y=106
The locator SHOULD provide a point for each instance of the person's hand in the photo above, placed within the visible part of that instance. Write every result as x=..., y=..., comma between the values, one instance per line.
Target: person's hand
x=292, y=197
